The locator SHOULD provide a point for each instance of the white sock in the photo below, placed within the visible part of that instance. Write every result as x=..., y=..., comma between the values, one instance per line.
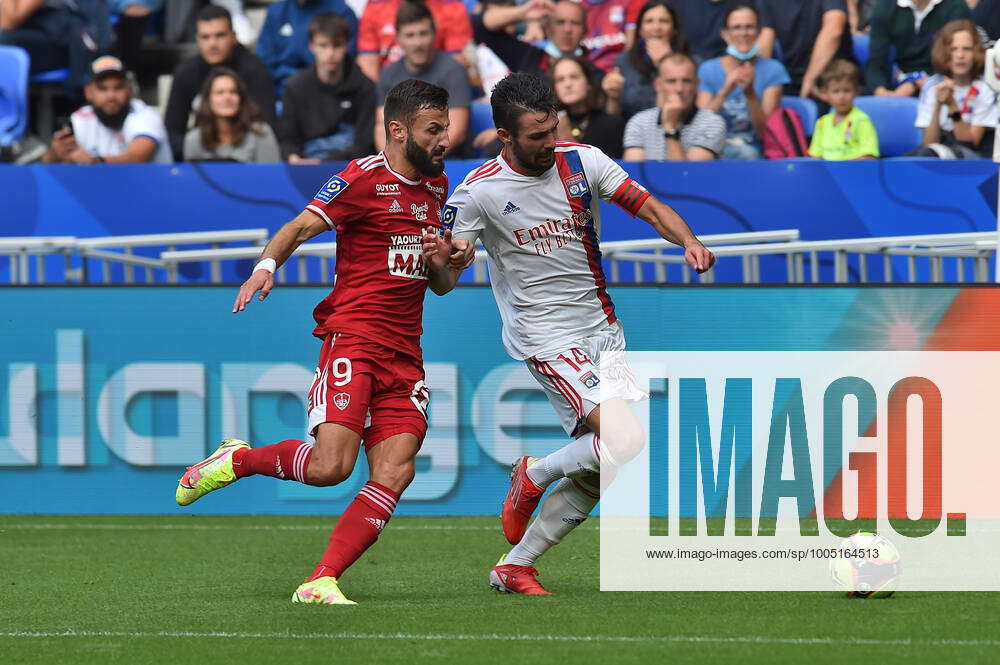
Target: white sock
x=564, y=509
x=577, y=458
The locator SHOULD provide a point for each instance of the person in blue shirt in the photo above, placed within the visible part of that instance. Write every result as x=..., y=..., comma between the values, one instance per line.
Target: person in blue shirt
x=742, y=86
x=283, y=44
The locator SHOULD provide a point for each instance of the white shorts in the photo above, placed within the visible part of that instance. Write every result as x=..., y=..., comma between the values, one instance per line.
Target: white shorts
x=572, y=379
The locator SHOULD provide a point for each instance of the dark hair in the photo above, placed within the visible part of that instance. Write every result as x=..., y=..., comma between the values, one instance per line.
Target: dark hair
x=248, y=115
x=519, y=93
x=595, y=96
x=738, y=8
x=332, y=25
x=212, y=12
x=637, y=53
x=840, y=69
x=941, y=50
x=406, y=98
x=413, y=11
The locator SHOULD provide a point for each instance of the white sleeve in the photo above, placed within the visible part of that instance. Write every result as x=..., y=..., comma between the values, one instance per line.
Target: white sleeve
x=146, y=123
x=926, y=107
x=605, y=175
x=462, y=215
x=984, y=108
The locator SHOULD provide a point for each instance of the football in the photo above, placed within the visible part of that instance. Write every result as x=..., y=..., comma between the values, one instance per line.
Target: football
x=866, y=566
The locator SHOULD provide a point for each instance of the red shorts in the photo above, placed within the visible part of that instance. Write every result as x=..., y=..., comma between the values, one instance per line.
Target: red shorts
x=369, y=388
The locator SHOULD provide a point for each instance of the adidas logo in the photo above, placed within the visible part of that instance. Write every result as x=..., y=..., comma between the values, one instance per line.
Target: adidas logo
x=510, y=209
x=377, y=523
x=395, y=207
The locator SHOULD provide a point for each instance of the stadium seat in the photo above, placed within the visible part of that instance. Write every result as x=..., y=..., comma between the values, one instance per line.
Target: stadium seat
x=14, y=65
x=48, y=85
x=861, y=43
x=894, y=119
x=482, y=117
x=807, y=110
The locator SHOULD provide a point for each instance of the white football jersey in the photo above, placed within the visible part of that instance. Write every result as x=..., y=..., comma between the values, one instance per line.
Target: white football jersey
x=102, y=141
x=542, y=235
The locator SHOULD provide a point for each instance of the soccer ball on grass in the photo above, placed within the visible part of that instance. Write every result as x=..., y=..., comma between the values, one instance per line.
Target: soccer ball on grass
x=867, y=566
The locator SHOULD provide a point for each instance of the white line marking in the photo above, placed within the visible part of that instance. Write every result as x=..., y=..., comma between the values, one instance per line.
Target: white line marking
x=495, y=637
x=239, y=527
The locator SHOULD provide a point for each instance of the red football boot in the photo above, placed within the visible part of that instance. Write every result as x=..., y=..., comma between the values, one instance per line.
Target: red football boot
x=508, y=578
x=520, y=502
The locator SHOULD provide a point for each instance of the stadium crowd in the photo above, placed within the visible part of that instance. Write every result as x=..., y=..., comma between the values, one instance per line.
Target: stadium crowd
x=642, y=79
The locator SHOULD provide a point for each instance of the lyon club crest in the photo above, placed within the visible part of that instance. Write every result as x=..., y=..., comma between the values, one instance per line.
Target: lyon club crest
x=341, y=400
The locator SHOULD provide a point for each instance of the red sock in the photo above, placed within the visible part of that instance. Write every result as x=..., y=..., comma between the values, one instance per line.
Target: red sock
x=357, y=529
x=287, y=460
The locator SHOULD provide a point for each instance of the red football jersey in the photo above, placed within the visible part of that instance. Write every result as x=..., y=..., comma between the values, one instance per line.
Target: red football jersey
x=381, y=277
x=605, y=31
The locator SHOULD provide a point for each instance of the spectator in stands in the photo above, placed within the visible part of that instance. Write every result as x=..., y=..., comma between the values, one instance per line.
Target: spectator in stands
x=986, y=14
x=114, y=127
x=846, y=132
x=703, y=22
x=561, y=25
x=217, y=46
x=605, y=31
x=742, y=86
x=908, y=26
x=811, y=34
x=130, y=28
x=676, y=129
x=415, y=31
x=629, y=86
x=859, y=15
x=284, y=39
x=377, y=43
x=57, y=34
x=329, y=109
x=958, y=110
x=581, y=117
x=229, y=126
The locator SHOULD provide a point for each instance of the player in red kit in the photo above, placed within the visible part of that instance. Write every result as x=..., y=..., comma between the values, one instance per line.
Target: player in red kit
x=369, y=384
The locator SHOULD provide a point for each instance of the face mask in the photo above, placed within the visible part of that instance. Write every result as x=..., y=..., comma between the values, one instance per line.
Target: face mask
x=740, y=55
x=551, y=49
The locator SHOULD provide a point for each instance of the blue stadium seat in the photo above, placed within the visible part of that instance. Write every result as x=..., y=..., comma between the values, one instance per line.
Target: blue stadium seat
x=14, y=64
x=48, y=85
x=481, y=117
x=861, y=44
x=807, y=110
x=894, y=119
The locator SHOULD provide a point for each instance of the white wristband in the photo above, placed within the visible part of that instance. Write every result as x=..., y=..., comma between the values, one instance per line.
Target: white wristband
x=269, y=265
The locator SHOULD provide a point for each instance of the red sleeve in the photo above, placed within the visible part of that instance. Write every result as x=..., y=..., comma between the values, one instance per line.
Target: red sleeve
x=457, y=30
x=335, y=200
x=630, y=196
x=631, y=14
x=368, y=30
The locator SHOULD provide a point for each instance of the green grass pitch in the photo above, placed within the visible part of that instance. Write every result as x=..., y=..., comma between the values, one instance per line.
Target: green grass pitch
x=198, y=590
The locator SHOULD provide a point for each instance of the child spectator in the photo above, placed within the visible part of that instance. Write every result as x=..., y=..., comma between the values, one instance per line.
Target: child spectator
x=229, y=126
x=284, y=39
x=582, y=118
x=328, y=111
x=906, y=28
x=958, y=110
x=846, y=132
x=629, y=86
x=742, y=86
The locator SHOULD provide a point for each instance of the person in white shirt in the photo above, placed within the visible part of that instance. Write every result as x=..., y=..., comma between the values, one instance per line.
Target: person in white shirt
x=536, y=210
x=114, y=127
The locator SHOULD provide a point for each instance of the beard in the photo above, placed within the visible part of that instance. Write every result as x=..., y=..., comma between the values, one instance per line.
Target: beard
x=113, y=121
x=422, y=159
x=539, y=162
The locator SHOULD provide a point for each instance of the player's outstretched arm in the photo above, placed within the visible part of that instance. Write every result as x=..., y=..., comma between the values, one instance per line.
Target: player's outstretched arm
x=307, y=225
x=446, y=259
x=671, y=226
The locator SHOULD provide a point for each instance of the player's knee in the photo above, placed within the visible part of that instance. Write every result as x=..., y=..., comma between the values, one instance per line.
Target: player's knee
x=329, y=471
x=396, y=477
x=623, y=443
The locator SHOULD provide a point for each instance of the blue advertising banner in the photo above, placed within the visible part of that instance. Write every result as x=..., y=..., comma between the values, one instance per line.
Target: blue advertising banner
x=107, y=393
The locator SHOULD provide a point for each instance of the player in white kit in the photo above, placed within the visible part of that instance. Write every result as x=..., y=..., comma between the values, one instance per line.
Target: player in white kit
x=536, y=210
